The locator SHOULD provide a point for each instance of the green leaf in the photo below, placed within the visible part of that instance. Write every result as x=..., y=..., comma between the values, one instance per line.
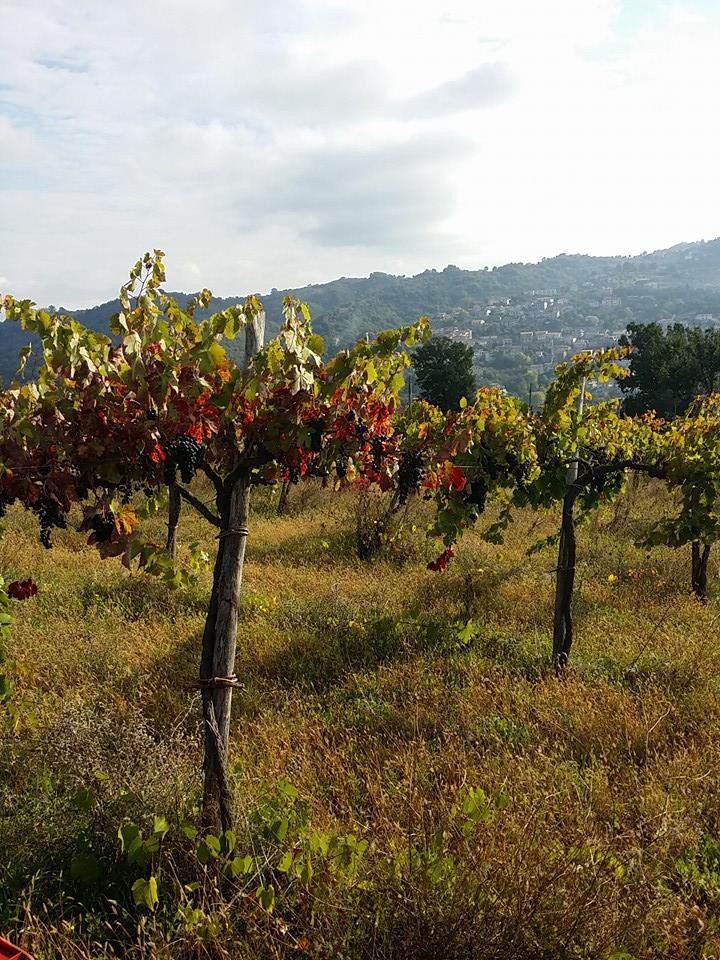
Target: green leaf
x=145, y=893
x=286, y=862
x=208, y=849
x=319, y=843
x=287, y=790
x=24, y=354
x=306, y=871
x=216, y=354
x=316, y=344
x=266, y=896
x=239, y=866
x=466, y=634
x=397, y=382
x=160, y=826
x=128, y=834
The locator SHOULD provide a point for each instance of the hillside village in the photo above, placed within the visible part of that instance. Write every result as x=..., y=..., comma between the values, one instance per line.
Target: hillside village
x=518, y=341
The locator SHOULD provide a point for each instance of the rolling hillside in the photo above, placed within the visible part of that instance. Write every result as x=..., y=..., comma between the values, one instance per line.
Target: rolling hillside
x=682, y=282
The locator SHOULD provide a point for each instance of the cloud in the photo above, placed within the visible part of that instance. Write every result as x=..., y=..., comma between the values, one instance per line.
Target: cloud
x=277, y=144
x=377, y=195
x=485, y=86
x=63, y=63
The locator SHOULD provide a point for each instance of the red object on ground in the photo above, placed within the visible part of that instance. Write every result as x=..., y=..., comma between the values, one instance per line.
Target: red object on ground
x=10, y=952
x=22, y=589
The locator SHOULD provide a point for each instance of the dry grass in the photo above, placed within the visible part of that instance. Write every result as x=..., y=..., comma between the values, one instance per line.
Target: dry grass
x=359, y=692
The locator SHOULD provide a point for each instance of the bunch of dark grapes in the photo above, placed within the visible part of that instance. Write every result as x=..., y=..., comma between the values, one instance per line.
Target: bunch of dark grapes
x=103, y=526
x=263, y=454
x=377, y=448
x=341, y=467
x=316, y=432
x=183, y=454
x=516, y=469
x=477, y=494
x=50, y=517
x=126, y=491
x=411, y=474
x=361, y=430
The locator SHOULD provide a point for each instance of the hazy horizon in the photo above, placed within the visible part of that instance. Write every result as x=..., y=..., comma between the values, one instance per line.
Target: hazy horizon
x=223, y=294
x=279, y=147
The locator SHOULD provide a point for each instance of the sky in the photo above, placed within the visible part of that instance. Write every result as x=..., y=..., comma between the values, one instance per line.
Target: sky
x=274, y=144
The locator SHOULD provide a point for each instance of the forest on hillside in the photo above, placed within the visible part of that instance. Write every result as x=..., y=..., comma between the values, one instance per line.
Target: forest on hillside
x=601, y=294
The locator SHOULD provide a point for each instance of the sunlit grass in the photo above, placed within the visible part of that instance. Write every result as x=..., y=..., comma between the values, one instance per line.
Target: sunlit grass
x=358, y=689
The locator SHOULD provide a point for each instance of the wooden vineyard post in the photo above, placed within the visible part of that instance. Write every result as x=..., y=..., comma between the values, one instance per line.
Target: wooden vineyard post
x=567, y=550
x=217, y=669
x=174, y=507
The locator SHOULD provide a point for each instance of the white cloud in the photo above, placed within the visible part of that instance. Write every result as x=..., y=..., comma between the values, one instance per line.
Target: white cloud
x=276, y=144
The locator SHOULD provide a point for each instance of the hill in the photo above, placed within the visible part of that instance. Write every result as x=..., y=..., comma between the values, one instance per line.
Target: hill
x=581, y=301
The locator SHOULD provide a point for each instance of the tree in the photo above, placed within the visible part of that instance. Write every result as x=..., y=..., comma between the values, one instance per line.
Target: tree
x=444, y=371
x=669, y=367
x=103, y=420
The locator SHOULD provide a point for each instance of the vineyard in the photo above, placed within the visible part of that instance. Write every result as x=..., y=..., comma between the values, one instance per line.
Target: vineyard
x=292, y=668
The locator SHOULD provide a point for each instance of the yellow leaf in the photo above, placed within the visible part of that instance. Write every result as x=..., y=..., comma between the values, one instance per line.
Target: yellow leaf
x=126, y=522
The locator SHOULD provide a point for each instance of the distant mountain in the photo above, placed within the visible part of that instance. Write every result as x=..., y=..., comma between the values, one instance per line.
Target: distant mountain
x=682, y=283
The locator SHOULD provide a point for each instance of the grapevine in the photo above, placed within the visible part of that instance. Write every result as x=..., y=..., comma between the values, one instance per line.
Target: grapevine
x=106, y=419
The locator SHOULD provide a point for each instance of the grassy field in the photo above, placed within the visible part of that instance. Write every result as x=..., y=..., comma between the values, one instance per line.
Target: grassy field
x=385, y=695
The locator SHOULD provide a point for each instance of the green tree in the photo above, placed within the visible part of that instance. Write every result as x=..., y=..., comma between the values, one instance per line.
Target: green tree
x=669, y=367
x=444, y=370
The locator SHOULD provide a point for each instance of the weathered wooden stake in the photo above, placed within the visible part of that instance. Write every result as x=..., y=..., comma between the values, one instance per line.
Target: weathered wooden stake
x=700, y=557
x=567, y=550
x=217, y=667
x=174, y=507
x=564, y=585
x=284, y=494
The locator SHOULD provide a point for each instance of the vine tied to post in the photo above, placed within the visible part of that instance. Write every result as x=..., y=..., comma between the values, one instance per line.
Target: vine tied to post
x=216, y=683
x=240, y=531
